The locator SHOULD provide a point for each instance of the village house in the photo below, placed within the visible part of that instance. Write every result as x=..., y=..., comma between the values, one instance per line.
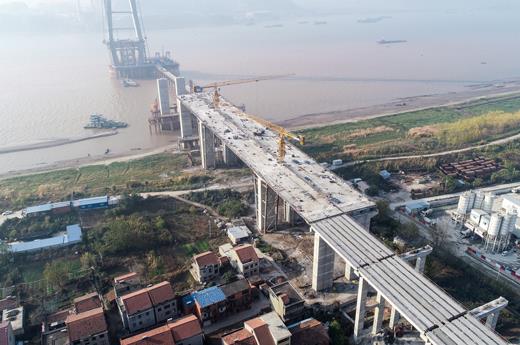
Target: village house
x=205, y=267
x=245, y=260
x=147, y=307
x=185, y=331
x=88, y=328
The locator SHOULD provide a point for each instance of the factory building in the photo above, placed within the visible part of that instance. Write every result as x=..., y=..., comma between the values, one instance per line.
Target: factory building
x=484, y=215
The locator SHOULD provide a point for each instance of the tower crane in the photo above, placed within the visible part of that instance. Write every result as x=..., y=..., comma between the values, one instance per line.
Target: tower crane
x=217, y=85
x=282, y=132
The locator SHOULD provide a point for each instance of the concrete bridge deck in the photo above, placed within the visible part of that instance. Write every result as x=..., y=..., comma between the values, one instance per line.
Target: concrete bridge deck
x=328, y=205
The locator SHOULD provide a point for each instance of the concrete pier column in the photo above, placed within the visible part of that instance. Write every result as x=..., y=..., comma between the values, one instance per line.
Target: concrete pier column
x=184, y=114
x=379, y=314
x=288, y=214
x=394, y=318
x=229, y=157
x=420, y=263
x=349, y=272
x=322, y=265
x=265, y=206
x=163, y=93
x=207, y=147
x=492, y=319
x=359, y=322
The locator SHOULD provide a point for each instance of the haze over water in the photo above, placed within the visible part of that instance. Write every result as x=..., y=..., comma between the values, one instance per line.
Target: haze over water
x=50, y=83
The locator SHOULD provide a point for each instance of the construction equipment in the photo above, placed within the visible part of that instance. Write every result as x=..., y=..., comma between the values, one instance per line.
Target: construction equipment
x=217, y=85
x=282, y=132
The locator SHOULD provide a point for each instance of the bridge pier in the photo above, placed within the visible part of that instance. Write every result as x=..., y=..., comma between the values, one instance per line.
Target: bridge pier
x=207, y=147
x=490, y=311
x=359, y=321
x=394, y=318
x=266, y=206
x=419, y=255
x=349, y=272
x=379, y=314
x=184, y=114
x=229, y=157
x=323, y=265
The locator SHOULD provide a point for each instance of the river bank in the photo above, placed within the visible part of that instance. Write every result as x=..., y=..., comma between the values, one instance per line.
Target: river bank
x=477, y=93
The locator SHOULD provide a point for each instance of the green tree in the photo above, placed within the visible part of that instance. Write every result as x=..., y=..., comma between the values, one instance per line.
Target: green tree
x=478, y=182
x=56, y=273
x=336, y=333
x=409, y=231
x=88, y=260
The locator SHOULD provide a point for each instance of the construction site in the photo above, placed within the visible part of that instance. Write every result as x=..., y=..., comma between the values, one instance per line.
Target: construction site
x=318, y=221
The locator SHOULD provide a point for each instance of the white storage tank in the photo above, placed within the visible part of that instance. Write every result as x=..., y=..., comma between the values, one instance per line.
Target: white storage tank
x=509, y=222
x=489, y=201
x=466, y=201
x=479, y=200
x=494, y=224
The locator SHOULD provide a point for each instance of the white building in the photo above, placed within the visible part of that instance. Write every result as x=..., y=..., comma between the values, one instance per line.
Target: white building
x=71, y=236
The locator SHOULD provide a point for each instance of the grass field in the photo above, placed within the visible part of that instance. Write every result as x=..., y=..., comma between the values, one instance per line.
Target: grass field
x=389, y=135
x=153, y=173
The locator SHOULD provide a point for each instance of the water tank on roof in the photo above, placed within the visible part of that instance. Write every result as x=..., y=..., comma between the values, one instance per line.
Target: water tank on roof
x=466, y=201
x=489, y=201
x=494, y=224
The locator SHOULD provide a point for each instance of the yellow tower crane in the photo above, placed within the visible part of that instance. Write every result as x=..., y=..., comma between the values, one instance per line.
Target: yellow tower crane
x=217, y=85
x=282, y=132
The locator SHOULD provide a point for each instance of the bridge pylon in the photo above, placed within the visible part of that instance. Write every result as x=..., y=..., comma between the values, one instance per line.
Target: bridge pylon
x=126, y=43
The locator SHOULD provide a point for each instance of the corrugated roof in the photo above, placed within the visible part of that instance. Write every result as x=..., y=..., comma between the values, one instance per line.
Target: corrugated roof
x=90, y=201
x=209, y=296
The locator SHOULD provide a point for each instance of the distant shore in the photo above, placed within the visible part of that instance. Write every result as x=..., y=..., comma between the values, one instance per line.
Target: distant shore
x=478, y=92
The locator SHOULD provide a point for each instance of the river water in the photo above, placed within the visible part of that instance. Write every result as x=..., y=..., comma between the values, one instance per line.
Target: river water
x=50, y=84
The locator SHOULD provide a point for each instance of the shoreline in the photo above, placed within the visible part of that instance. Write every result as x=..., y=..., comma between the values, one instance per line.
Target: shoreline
x=488, y=92
x=89, y=161
x=54, y=143
x=485, y=92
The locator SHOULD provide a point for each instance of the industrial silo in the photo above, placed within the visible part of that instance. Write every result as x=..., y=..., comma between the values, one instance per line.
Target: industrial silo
x=489, y=201
x=493, y=233
x=479, y=200
x=466, y=202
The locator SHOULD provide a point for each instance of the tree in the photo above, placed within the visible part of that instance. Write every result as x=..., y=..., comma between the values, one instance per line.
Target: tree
x=372, y=191
x=336, y=333
x=450, y=184
x=478, y=182
x=88, y=260
x=409, y=231
x=56, y=273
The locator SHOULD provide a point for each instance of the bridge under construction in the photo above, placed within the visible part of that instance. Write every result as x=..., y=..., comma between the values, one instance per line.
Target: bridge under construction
x=292, y=186
x=339, y=217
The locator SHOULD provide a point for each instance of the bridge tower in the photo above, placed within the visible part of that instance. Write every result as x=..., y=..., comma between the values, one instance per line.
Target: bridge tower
x=126, y=43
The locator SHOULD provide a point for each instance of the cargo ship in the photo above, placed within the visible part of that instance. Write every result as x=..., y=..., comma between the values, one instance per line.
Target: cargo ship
x=98, y=121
